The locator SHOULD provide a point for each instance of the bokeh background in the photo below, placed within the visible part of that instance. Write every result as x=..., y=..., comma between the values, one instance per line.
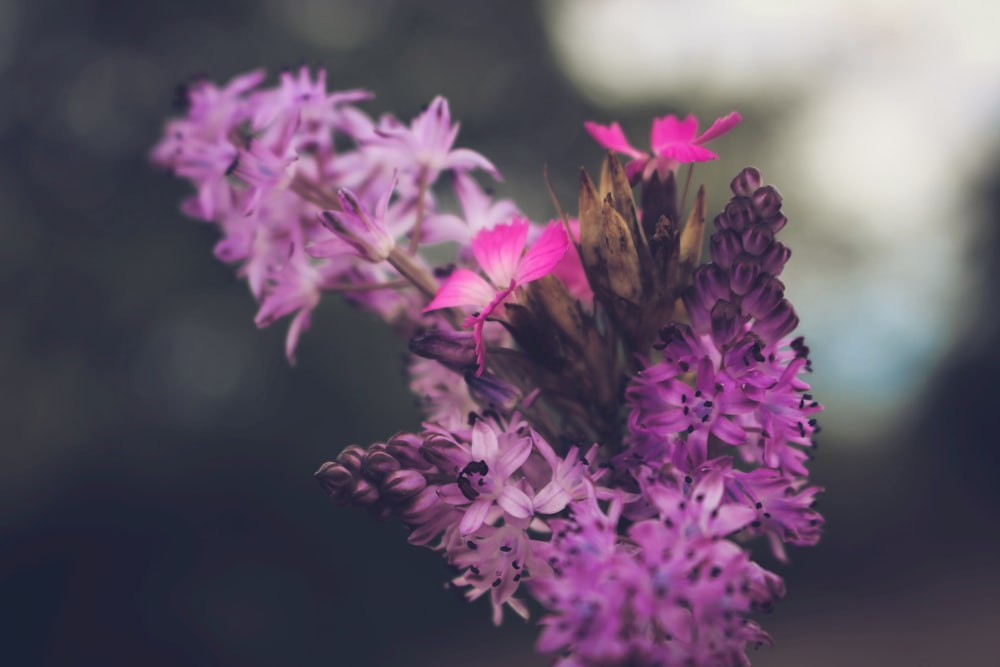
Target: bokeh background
x=156, y=500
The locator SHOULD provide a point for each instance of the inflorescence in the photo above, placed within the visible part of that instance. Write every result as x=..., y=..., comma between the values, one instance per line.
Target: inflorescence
x=610, y=420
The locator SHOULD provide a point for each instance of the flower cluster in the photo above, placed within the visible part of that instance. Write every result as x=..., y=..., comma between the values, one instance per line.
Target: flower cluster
x=611, y=423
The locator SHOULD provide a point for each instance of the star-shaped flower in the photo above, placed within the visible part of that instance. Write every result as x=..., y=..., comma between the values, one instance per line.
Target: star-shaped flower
x=672, y=142
x=501, y=255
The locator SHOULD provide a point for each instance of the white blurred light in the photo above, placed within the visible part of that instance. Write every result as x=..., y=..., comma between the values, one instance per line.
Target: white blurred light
x=887, y=110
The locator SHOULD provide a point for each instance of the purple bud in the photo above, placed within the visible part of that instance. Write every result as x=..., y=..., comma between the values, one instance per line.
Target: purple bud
x=443, y=454
x=739, y=213
x=725, y=246
x=780, y=322
x=763, y=297
x=336, y=480
x=351, y=458
x=773, y=259
x=487, y=389
x=698, y=312
x=364, y=493
x=402, y=484
x=744, y=273
x=766, y=202
x=725, y=322
x=746, y=182
x=405, y=448
x=456, y=350
x=757, y=239
x=377, y=464
x=710, y=284
x=423, y=502
x=776, y=223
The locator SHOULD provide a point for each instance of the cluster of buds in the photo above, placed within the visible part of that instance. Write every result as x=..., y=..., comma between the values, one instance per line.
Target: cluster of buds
x=611, y=424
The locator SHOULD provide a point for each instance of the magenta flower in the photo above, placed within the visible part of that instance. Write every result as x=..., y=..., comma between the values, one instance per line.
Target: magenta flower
x=672, y=142
x=500, y=254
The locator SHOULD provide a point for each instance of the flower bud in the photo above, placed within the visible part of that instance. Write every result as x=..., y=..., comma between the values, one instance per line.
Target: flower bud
x=336, y=480
x=725, y=321
x=756, y=239
x=402, y=484
x=763, y=297
x=739, y=213
x=378, y=463
x=489, y=390
x=454, y=349
x=744, y=273
x=351, y=458
x=746, y=182
x=766, y=202
x=725, y=247
x=781, y=321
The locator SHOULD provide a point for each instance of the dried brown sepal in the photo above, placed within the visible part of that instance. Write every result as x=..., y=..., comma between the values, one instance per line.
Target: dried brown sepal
x=692, y=238
x=620, y=257
x=592, y=236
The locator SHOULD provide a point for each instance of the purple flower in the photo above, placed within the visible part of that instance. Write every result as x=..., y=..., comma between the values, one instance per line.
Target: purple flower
x=424, y=149
x=484, y=481
x=356, y=230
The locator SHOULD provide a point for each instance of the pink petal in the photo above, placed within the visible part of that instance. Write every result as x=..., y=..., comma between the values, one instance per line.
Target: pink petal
x=498, y=250
x=474, y=516
x=668, y=130
x=687, y=153
x=613, y=138
x=515, y=502
x=463, y=288
x=719, y=127
x=543, y=256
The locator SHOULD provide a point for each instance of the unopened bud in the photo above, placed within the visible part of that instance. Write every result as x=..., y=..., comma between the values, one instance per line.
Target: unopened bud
x=377, y=464
x=402, y=484
x=746, y=182
x=766, y=202
x=351, y=458
x=336, y=480
x=489, y=390
x=725, y=321
x=454, y=349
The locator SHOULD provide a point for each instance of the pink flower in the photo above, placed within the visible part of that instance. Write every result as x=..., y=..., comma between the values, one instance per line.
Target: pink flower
x=499, y=254
x=672, y=141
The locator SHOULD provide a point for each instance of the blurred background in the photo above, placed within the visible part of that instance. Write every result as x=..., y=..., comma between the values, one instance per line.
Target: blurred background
x=156, y=500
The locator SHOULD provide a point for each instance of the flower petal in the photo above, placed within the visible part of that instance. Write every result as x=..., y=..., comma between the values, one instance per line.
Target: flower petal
x=687, y=153
x=515, y=502
x=719, y=127
x=613, y=138
x=463, y=288
x=474, y=516
x=543, y=255
x=668, y=131
x=498, y=250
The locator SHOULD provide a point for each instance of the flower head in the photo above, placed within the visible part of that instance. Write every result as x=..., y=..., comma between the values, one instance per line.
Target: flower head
x=671, y=140
x=501, y=255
